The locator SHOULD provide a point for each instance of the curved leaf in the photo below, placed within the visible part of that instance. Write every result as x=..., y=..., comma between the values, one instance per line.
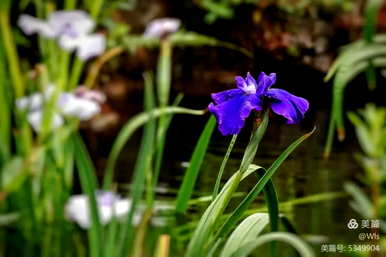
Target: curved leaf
x=302, y=248
x=246, y=232
x=130, y=127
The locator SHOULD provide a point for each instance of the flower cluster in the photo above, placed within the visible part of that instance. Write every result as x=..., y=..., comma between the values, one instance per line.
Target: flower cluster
x=232, y=107
x=82, y=104
x=72, y=30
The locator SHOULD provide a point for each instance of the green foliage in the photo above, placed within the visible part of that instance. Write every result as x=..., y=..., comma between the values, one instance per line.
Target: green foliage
x=363, y=55
x=191, y=173
x=89, y=185
x=204, y=233
x=130, y=127
x=247, y=231
x=178, y=39
x=225, y=9
x=370, y=126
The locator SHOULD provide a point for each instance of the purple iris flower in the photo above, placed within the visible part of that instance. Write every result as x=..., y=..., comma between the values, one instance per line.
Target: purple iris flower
x=232, y=107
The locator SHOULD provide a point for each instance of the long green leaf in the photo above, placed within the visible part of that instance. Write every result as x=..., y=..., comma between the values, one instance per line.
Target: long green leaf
x=303, y=249
x=246, y=232
x=89, y=186
x=160, y=142
x=237, y=214
x=130, y=127
x=222, y=167
x=343, y=77
x=191, y=173
x=142, y=167
x=371, y=17
x=182, y=39
x=198, y=243
x=5, y=110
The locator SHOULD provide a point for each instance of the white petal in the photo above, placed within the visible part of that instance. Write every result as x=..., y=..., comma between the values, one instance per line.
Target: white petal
x=70, y=43
x=82, y=109
x=77, y=210
x=31, y=25
x=160, y=27
x=91, y=46
x=71, y=23
x=93, y=95
x=122, y=207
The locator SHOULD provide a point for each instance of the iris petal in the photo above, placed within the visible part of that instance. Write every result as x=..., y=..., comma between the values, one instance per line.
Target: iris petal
x=265, y=82
x=223, y=96
x=287, y=105
x=240, y=82
x=231, y=114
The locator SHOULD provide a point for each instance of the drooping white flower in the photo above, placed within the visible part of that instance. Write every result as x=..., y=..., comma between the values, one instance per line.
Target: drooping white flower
x=110, y=205
x=159, y=28
x=93, y=95
x=74, y=106
x=82, y=104
x=72, y=29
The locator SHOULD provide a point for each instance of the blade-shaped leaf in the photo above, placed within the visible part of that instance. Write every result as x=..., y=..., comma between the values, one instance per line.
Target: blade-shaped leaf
x=191, y=174
x=246, y=232
x=302, y=248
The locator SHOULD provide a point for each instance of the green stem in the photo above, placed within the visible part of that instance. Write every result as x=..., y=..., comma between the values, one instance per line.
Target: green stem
x=222, y=167
x=70, y=4
x=75, y=74
x=11, y=53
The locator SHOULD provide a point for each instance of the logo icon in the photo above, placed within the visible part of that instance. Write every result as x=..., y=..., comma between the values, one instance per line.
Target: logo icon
x=352, y=224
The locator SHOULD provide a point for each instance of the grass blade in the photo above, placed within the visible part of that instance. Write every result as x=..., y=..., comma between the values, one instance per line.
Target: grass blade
x=89, y=186
x=142, y=167
x=191, y=174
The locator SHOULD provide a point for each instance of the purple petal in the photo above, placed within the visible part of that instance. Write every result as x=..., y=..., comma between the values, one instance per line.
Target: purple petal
x=250, y=80
x=287, y=105
x=223, y=96
x=248, y=85
x=231, y=114
x=107, y=198
x=264, y=82
x=240, y=82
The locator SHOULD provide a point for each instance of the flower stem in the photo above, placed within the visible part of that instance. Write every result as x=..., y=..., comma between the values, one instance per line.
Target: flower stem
x=222, y=167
